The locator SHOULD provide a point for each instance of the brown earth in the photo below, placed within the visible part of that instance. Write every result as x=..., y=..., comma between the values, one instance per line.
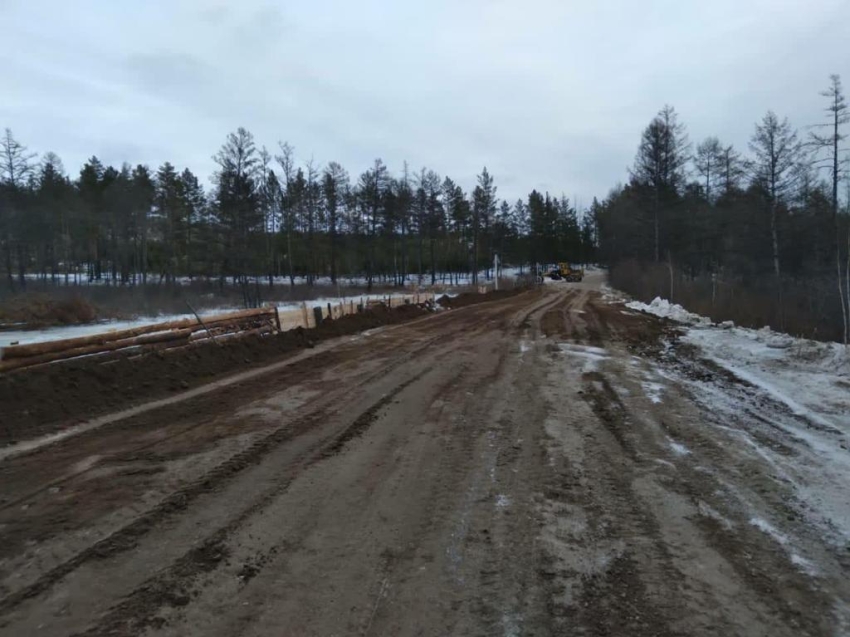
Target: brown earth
x=502, y=469
x=471, y=298
x=51, y=397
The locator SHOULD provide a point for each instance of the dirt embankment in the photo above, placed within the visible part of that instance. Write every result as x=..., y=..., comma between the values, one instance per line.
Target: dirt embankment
x=42, y=399
x=34, y=401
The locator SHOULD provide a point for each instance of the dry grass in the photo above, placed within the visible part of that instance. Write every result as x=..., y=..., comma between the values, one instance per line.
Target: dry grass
x=40, y=310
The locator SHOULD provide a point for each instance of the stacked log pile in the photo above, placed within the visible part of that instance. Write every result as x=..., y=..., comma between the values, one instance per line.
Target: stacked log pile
x=186, y=332
x=145, y=338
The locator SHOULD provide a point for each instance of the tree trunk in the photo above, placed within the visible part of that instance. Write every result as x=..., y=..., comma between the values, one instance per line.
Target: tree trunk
x=774, y=231
x=289, y=253
x=9, y=272
x=657, y=231
x=21, y=267
x=420, y=253
x=333, y=252
x=433, y=262
x=841, y=295
x=847, y=290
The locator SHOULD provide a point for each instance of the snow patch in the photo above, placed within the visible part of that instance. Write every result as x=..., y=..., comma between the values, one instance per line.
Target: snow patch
x=502, y=501
x=663, y=307
x=592, y=356
x=679, y=449
x=796, y=559
x=653, y=391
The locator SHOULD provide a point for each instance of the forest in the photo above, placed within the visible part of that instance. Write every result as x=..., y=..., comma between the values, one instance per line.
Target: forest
x=760, y=237
x=265, y=217
x=757, y=235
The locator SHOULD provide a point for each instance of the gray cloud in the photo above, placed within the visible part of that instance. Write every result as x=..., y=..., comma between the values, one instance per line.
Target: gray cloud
x=547, y=94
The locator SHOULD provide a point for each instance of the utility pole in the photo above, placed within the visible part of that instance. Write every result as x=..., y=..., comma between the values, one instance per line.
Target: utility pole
x=496, y=270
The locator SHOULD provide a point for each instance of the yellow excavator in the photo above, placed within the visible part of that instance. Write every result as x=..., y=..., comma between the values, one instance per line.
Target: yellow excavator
x=563, y=272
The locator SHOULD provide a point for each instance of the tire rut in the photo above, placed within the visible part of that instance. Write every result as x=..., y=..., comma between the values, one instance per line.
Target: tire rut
x=171, y=587
x=177, y=502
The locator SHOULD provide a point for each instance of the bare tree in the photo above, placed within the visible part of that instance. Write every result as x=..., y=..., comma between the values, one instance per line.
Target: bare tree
x=286, y=161
x=709, y=161
x=16, y=162
x=776, y=153
x=838, y=114
x=732, y=169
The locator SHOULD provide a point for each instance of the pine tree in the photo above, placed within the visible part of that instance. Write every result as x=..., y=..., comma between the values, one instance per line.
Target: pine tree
x=660, y=165
x=237, y=202
x=335, y=187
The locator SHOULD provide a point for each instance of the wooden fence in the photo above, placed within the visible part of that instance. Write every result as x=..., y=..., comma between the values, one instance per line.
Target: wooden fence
x=187, y=332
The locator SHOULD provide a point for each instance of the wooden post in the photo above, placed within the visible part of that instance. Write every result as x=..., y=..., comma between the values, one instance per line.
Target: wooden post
x=305, y=315
x=202, y=324
x=277, y=318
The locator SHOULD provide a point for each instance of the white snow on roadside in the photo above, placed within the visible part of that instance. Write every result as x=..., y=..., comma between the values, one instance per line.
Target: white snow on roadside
x=811, y=379
x=611, y=295
x=791, y=410
x=796, y=559
x=662, y=307
x=591, y=356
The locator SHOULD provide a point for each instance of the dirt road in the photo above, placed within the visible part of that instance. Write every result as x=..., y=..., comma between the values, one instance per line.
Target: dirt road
x=528, y=466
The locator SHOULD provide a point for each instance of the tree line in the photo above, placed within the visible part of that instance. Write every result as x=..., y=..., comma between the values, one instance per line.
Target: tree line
x=265, y=216
x=769, y=222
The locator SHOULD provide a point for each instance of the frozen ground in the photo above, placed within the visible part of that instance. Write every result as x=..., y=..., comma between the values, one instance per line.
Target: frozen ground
x=791, y=405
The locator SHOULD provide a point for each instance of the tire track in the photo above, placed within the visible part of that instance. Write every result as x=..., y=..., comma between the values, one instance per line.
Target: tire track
x=179, y=501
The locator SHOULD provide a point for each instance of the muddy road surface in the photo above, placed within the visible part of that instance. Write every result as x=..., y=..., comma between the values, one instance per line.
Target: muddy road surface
x=536, y=465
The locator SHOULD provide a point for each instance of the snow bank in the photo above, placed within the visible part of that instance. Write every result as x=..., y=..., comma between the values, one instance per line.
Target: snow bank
x=812, y=379
x=800, y=390
x=663, y=307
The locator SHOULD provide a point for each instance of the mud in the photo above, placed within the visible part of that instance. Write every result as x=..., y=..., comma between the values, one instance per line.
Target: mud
x=493, y=470
x=471, y=298
x=51, y=397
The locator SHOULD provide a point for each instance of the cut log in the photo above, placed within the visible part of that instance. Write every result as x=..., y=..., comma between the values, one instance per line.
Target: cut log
x=38, y=349
x=98, y=348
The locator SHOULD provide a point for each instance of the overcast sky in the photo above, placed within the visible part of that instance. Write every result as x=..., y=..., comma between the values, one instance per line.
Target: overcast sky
x=548, y=94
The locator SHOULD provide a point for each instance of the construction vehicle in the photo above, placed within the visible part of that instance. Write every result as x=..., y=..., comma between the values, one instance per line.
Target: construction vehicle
x=561, y=272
